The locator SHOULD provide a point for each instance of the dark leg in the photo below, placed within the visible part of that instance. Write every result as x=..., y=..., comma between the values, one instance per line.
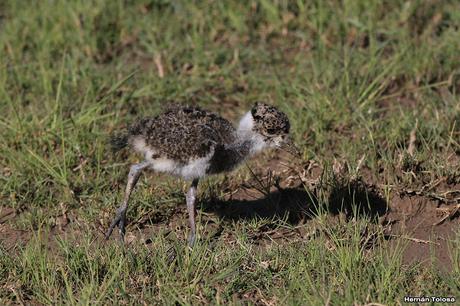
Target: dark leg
x=191, y=199
x=120, y=218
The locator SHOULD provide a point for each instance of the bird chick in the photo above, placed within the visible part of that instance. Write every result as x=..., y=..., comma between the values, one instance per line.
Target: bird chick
x=191, y=143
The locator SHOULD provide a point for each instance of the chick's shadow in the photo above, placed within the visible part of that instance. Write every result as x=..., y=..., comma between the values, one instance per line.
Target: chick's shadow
x=296, y=205
x=291, y=204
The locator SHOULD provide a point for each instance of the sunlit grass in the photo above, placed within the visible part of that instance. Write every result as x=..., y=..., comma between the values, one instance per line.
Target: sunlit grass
x=354, y=77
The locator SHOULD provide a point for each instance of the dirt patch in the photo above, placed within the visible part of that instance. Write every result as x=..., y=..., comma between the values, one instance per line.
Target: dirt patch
x=422, y=223
x=425, y=222
x=291, y=192
x=9, y=236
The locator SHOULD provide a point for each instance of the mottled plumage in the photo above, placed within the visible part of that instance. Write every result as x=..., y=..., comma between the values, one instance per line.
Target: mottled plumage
x=191, y=143
x=183, y=133
x=269, y=121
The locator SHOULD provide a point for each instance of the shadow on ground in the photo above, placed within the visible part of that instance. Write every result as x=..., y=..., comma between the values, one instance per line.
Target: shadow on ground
x=355, y=198
x=296, y=205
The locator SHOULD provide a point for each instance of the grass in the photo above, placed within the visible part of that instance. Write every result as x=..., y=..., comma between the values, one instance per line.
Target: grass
x=356, y=78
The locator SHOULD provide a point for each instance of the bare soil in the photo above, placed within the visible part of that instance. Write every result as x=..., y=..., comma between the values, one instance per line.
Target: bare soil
x=424, y=223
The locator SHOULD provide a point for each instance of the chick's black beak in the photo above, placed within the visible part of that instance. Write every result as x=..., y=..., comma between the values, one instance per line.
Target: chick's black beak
x=289, y=146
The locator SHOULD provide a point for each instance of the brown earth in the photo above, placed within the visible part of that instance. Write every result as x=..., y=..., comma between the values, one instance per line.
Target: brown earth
x=425, y=224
